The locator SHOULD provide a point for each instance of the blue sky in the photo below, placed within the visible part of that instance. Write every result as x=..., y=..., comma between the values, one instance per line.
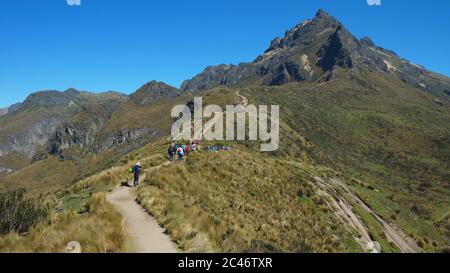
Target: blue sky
x=121, y=44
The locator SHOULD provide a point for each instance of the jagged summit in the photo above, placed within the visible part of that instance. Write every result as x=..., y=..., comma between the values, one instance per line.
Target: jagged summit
x=318, y=50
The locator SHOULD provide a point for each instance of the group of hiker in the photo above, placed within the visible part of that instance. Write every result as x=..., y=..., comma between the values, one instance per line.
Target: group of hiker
x=178, y=151
x=182, y=150
x=215, y=148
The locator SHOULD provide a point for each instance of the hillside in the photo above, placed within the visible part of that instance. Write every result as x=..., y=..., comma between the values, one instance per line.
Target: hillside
x=27, y=126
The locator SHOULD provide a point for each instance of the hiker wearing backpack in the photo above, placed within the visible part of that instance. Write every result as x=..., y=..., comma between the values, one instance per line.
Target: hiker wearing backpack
x=174, y=150
x=170, y=152
x=180, y=153
x=137, y=172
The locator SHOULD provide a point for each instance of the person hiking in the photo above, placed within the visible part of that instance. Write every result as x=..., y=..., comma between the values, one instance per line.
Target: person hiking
x=180, y=153
x=174, y=150
x=188, y=149
x=137, y=172
x=170, y=152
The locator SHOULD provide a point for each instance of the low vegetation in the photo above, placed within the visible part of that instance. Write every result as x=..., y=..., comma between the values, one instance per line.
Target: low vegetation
x=19, y=213
x=98, y=229
x=241, y=202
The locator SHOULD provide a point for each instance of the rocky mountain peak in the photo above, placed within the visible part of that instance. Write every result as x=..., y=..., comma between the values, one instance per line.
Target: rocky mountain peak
x=152, y=91
x=306, y=32
x=367, y=41
x=315, y=51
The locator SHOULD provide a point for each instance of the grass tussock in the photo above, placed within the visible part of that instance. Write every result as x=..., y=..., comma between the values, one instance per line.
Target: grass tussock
x=239, y=202
x=98, y=230
x=18, y=213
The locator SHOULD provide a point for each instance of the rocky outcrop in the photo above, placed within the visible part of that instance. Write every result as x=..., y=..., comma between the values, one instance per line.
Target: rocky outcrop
x=70, y=134
x=28, y=138
x=125, y=136
x=82, y=129
x=86, y=131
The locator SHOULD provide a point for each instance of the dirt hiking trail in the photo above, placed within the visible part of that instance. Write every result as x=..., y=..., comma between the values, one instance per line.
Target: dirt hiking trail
x=144, y=231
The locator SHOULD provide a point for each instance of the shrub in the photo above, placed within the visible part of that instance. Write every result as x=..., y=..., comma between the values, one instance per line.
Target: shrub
x=18, y=213
x=99, y=230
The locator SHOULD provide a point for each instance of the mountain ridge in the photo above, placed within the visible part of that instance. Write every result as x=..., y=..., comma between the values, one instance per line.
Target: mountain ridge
x=314, y=51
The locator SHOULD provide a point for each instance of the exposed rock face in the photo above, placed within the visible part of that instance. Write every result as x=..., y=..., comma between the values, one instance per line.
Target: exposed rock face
x=28, y=138
x=86, y=130
x=312, y=51
x=153, y=91
x=74, y=122
x=31, y=124
x=81, y=130
x=124, y=136
x=70, y=134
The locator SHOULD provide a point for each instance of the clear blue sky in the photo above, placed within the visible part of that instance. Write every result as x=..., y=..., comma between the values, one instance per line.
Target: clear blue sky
x=121, y=44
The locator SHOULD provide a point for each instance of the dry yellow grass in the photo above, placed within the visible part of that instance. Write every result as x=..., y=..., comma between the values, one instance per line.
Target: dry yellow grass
x=240, y=202
x=99, y=230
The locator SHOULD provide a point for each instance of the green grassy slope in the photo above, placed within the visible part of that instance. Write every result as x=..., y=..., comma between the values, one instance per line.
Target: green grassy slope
x=240, y=201
x=383, y=132
x=388, y=142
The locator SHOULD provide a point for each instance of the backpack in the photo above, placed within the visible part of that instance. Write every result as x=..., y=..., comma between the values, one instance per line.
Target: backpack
x=136, y=169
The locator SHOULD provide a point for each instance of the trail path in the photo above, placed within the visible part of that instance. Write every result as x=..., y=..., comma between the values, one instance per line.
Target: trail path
x=208, y=126
x=241, y=99
x=147, y=235
x=144, y=231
